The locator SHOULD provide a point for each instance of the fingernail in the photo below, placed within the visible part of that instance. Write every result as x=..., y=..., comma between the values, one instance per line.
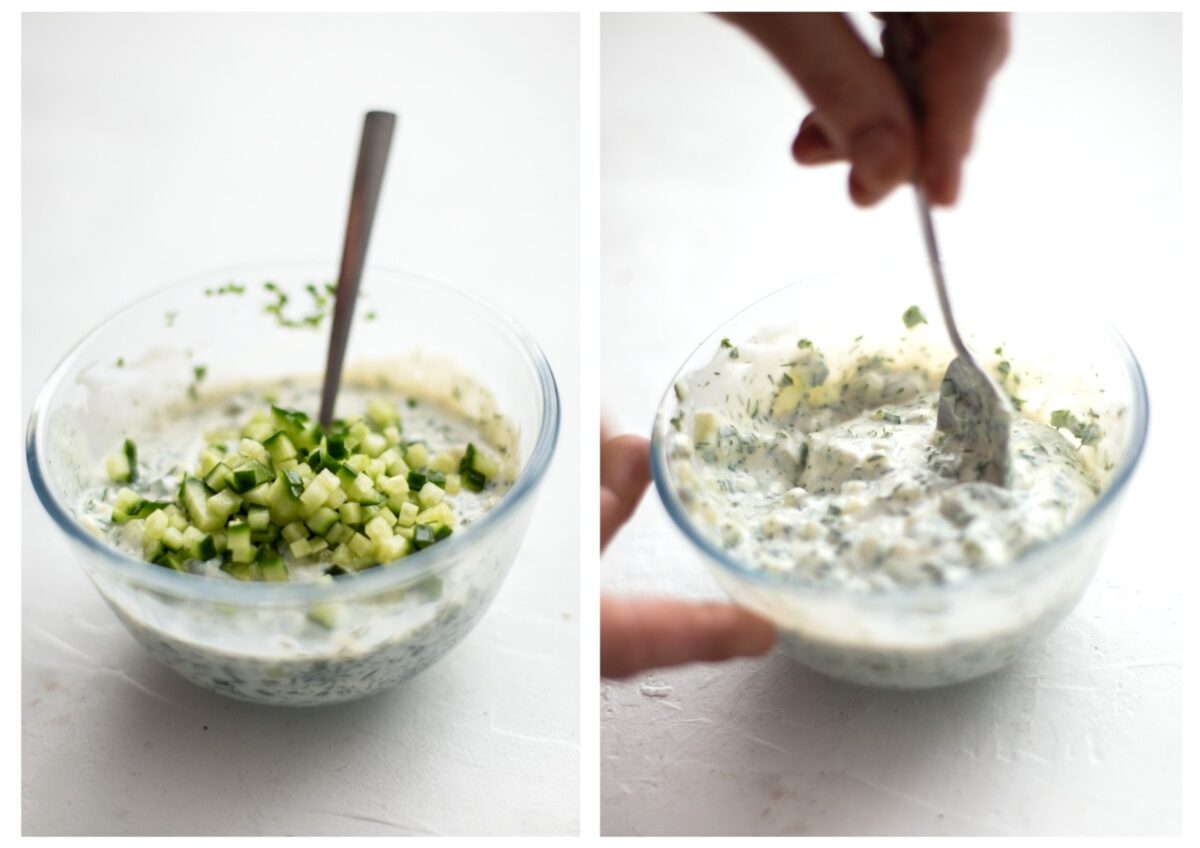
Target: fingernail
x=875, y=155
x=942, y=186
x=811, y=146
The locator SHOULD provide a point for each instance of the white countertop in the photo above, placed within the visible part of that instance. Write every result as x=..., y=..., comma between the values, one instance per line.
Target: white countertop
x=1078, y=155
x=158, y=147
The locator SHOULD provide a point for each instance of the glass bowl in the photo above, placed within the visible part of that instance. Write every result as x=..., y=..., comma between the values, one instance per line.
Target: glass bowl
x=259, y=641
x=929, y=635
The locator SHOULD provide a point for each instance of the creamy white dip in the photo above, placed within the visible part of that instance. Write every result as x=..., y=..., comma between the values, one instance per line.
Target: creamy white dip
x=285, y=654
x=830, y=469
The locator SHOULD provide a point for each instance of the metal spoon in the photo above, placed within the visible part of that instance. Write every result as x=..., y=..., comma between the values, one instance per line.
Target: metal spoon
x=368, y=179
x=972, y=411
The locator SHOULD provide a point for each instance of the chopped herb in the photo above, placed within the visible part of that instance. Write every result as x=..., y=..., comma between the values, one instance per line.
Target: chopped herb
x=913, y=316
x=1088, y=434
x=120, y=362
x=733, y=354
x=321, y=305
x=198, y=374
x=726, y=343
x=370, y=316
x=1004, y=368
x=171, y=316
x=804, y=343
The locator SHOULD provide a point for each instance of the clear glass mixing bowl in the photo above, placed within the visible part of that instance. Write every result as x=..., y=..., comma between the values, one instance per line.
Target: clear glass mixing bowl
x=257, y=641
x=911, y=637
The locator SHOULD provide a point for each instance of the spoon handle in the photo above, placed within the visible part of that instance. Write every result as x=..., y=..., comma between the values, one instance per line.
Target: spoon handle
x=904, y=36
x=368, y=179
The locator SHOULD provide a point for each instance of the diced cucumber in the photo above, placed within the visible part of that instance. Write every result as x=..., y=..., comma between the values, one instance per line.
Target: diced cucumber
x=295, y=530
x=242, y=570
x=335, y=446
x=272, y=566
x=362, y=489
x=476, y=468
x=126, y=505
x=431, y=494
x=280, y=447
x=374, y=444
x=425, y=535
x=326, y=615
x=218, y=478
x=237, y=537
x=152, y=549
x=204, y=548
x=444, y=463
x=354, y=497
x=210, y=458
x=246, y=477
x=378, y=529
x=381, y=413
x=258, y=517
x=156, y=523
x=173, y=560
x=172, y=539
x=260, y=495
x=416, y=455
x=257, y=432
x=408, y=515
x=252, y=449
x=270, y=534
x=393, y=548
x=321, y=520
x=118, y=468
x=351, y=513
x=360, y=545
x=194, y=494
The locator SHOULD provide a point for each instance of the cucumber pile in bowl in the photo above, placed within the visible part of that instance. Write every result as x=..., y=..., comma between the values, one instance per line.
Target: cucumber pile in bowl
x=283, y=492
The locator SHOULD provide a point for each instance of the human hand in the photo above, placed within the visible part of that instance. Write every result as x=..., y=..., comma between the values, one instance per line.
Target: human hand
x=642, y=633
x=860, y=114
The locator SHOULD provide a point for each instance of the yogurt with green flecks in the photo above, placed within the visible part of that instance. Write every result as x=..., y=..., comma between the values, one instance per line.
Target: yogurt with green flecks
x=833, y=472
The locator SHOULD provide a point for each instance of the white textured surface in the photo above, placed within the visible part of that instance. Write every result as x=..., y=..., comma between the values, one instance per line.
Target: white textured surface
x=1078, y=157
x=159, y=147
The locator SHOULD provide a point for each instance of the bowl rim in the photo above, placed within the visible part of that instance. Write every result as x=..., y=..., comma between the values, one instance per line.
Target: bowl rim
x=412, y=568
x=1033, y=559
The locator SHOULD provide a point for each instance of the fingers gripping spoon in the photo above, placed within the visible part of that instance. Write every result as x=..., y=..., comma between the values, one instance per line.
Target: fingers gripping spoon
x=972, y=411
x=378, y=128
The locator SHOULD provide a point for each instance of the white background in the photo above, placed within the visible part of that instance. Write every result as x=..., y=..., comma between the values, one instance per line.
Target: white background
x=155, y=148
x=1078, y=163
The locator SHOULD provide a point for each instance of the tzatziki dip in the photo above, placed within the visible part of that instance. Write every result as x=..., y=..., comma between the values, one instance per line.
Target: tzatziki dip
x=830, y=503
x=833, y=471
x=239, y=483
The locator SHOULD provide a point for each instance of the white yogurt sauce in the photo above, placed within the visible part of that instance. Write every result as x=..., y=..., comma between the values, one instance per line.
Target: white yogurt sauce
x=832, y=470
